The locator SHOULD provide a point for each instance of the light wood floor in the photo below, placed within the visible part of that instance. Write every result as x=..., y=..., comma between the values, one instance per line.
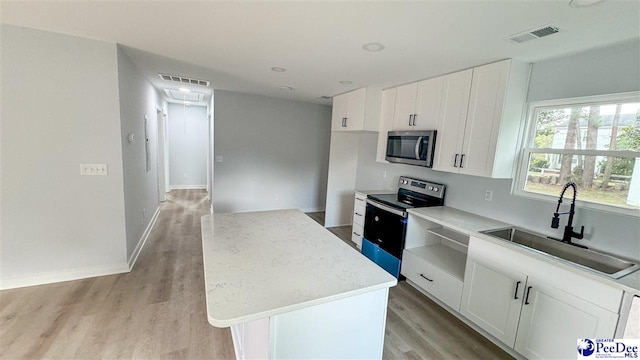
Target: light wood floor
x=157, y=311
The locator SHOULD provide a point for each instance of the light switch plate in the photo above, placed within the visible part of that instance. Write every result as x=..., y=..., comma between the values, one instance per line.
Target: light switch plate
x=94, y=169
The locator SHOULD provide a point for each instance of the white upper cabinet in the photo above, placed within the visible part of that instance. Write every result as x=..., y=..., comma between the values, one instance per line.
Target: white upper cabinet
x=417, y=105
x=453, y=116
x=358, y=110
x=386, y=122
x=486, y=126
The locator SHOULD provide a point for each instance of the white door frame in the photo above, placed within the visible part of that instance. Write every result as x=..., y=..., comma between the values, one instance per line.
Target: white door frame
x=161, y=159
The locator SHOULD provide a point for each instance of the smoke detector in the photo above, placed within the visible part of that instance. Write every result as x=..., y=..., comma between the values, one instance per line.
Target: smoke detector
x=533, y=34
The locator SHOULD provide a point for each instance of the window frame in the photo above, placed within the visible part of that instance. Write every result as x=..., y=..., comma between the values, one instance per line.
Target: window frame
x=526, y=148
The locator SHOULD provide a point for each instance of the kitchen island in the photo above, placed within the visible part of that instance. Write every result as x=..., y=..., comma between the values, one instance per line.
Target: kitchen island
x=289, y=288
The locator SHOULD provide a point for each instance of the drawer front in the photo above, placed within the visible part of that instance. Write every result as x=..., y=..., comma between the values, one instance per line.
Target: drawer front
x=358, y=215
x=433, y=280
x=358, y=229
x=385, y=260
x=357, y=239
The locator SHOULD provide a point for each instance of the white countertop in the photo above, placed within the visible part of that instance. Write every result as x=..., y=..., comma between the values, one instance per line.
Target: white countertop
x=261, y=264
x=472, y=224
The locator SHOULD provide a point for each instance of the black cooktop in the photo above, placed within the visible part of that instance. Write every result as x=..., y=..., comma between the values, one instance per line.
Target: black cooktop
x=405, y=201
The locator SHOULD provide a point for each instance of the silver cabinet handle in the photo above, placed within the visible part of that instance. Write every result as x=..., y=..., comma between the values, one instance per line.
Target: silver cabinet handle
x=414, y=119
x=358, y=214
x=345, y=121
x=461, y=158
x=410, y=117
x=455, y=161
x=429, y=280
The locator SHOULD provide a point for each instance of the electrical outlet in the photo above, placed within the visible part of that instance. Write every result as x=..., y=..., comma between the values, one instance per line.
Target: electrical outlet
x=277, y=197
x=93, y=169
x=488, y=195
x=384, y=174
x=185, y=176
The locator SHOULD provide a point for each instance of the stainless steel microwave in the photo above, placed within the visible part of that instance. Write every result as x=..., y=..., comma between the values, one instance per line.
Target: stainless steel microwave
x=411, y=147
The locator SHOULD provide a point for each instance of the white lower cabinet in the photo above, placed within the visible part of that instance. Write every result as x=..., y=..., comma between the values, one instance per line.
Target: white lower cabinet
x=443, y=286
x=536, y=308
x=359, y=208
x=552, y=320
x=492, y=298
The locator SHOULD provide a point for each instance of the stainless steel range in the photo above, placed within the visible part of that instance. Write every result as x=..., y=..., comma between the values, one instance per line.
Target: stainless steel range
x=386, y=220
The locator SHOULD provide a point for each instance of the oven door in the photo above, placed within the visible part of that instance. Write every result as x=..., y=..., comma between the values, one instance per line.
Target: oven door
x=384, y=231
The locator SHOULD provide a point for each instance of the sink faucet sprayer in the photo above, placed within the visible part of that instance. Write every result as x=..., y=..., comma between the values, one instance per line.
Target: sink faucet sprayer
x=568, y=230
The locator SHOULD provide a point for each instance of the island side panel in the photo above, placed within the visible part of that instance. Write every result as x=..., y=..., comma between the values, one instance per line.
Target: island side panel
x=251, y=339
x=350, y=328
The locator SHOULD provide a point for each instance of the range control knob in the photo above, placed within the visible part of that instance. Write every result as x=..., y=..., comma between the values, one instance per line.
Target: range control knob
x=435, y=188
x=430, y=187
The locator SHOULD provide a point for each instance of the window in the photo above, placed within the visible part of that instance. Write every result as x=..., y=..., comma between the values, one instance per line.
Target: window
x=593, y=142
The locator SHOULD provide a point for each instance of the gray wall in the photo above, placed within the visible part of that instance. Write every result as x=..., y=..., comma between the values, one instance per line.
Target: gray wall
x=59, y=109
x=555, y=78
x=137, y=99
x=609, y=70
x=188, y=144
x=270, y=146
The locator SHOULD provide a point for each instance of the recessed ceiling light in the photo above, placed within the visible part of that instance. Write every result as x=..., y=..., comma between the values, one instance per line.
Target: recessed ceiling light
x=346, y=82
x=374, y=46
x=278, y=69
x=286, y=88
x=583, y=3
x=183, y=89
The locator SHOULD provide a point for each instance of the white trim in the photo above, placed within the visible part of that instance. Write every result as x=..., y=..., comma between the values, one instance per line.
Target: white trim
x=188, y=187
x=309, y=210
x=143, y=240
x=64, y=275
x=525, y=148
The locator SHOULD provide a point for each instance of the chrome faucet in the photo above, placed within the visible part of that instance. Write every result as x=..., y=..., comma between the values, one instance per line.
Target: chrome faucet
x=568, y=230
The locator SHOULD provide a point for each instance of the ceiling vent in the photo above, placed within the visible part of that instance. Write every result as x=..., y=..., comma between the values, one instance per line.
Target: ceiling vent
x=533, y=34
x=184, y=80
x=184, y=96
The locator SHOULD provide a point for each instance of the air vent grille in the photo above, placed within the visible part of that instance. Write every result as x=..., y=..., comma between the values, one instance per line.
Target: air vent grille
x=184, y=80
x=533, y=34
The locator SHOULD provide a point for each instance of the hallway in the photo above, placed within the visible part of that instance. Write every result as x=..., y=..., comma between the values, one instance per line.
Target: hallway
x=156, y=311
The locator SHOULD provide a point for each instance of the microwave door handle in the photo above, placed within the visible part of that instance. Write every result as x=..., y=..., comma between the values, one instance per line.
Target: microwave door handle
x=417, y=149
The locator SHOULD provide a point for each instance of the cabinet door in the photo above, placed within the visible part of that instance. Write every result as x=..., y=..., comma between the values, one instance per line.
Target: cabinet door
x=339, y=112
x=386, y=122
x=492, y=298
x=483, y=119
x=405, y=107
x=356, y=109
x=428, y=101
x=552, y=320
x=453, y=115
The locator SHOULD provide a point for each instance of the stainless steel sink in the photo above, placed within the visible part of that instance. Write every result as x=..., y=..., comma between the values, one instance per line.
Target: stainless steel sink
x=601, y=263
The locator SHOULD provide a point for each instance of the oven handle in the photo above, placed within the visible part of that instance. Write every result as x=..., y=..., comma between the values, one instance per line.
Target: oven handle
x=387, y=208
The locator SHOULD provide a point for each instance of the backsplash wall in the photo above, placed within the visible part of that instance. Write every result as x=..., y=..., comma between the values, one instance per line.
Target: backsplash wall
x=614, y=233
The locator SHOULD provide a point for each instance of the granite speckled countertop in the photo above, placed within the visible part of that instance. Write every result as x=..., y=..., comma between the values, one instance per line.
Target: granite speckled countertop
x=261, y=264
x=471, y=224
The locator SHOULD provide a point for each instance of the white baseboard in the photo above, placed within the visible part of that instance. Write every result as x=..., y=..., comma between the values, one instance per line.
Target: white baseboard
x=60, y=276
x=312, y=210
x=143, y=239
x=188, y=187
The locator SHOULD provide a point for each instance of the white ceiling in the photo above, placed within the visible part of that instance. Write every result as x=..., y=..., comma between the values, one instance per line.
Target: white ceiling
x=235, y=44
